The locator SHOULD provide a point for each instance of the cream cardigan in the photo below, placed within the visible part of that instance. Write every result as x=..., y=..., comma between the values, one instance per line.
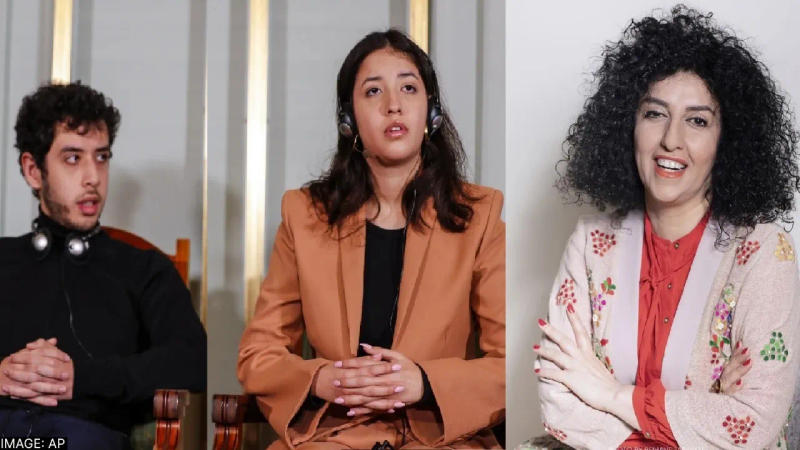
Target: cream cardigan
x=747, y=291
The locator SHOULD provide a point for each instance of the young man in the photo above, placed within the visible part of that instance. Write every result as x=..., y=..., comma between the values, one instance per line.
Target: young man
x=89, y=326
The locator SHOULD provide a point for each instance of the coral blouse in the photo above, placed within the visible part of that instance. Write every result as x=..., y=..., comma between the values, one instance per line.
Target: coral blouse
x=665, y=268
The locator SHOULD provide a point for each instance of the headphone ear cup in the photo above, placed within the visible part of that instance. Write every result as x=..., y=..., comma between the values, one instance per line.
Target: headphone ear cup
x=347, y=126
x=435, y=118
x=41, y=240
x=77, y=246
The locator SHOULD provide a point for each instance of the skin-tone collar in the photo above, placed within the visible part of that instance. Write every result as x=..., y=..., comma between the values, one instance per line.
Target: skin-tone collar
x=389, y=183
x=675, y=223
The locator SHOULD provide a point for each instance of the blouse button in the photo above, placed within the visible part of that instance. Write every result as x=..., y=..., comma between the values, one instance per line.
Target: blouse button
x=669, y=285
x=647, y=434
x=666, y=319
x=676, y=245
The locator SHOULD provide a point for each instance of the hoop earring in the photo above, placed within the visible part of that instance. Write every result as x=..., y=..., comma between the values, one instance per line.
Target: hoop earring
x=355, y=145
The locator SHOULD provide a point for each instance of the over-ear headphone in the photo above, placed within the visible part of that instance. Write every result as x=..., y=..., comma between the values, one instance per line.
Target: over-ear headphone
x=346, y=122
x=76, y=244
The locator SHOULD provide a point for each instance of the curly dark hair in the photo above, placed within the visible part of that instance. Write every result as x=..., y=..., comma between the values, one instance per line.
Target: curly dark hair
x=74, y=104
x=754, y=176
x=347, y=184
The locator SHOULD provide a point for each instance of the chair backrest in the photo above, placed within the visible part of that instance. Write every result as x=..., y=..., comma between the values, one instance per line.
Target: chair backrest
x=180, y=259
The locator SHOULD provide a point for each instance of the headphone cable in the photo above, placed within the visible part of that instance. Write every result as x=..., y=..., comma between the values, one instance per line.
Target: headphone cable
x=69, y=309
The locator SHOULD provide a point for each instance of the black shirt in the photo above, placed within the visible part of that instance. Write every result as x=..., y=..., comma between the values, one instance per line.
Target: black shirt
x=133, y=325
x=383, y=266
x=383, y=269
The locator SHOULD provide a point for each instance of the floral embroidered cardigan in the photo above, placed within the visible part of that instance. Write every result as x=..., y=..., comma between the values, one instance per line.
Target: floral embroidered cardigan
x=747, y=291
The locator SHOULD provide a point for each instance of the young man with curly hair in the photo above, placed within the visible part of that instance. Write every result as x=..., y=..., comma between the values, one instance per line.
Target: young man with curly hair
x=89, y=326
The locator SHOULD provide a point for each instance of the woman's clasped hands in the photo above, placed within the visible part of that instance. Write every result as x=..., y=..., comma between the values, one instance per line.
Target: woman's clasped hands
x=381, y=382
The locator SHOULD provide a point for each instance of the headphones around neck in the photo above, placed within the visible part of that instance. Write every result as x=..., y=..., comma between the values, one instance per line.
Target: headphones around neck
x=76, y=244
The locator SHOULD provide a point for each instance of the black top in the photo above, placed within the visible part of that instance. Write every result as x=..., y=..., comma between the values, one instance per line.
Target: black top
x=383, y=266
x=135, y=329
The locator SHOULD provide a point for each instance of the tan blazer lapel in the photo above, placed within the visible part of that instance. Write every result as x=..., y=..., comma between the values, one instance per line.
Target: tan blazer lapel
x=352, y=240
x=414, y=258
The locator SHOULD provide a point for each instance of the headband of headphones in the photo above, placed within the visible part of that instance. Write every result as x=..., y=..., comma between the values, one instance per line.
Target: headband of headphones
x=76, y=244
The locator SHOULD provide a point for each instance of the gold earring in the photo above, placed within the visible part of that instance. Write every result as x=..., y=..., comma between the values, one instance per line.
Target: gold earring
x=355, y=145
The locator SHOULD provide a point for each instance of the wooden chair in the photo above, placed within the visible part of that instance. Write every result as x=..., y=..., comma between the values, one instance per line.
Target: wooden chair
x=180, y=259
x=170, y=406
x=229, y=414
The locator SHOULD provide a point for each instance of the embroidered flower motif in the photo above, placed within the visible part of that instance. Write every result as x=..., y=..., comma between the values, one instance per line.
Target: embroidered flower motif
x=720, y=342
x=599, y=300
x=775, y=350
x=784, y=251
x=558, y=434
x=739, y=429
x=602, y=242
x=566, y=293
x=600, y=352
x=687, y=383
x=745, y=250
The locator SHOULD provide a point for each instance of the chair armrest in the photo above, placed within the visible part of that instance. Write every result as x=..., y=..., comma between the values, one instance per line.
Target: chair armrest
x=229, y=413
x=178, y=416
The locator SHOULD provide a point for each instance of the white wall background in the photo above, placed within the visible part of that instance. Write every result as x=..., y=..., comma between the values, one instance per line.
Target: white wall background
x=151, y=65
x=552, y=48
x=26, y=29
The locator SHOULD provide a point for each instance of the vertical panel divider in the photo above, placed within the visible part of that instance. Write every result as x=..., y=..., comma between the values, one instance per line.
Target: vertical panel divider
x=256, y=152
x=419, y=22
x=62, y=42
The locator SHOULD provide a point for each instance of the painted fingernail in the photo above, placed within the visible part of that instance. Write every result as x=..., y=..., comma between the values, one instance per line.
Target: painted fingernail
x=399, y=405
x=738, y=344
x=536, y=370
x=399, y=389
x=542, y=322
x=337, y=364
x=570, y=309
x=337, y=383
x=339, y=400
x=746, y=363
x=744, y=351
x=366, y=346
x=390, y=411
x=536, y=347
x=739, y=383
x=396, y=367
x=351, y=413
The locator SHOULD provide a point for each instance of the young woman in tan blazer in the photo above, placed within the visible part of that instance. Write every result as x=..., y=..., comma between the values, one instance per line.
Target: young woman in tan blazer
x=391, y=264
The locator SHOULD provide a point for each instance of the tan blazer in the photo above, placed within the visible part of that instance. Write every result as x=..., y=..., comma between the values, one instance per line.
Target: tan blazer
x=453, y=284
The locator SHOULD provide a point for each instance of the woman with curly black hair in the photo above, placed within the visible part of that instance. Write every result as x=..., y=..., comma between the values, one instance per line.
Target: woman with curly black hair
x=391, y=264
x=674, y=318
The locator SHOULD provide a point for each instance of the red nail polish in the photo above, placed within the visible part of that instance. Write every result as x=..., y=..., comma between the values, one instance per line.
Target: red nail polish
x=744, y=351
x=739, y=383
x=536, y=347
x=542, y=322
x=536, y=370
x=746, y=363
x=570, y=309
x=738, y=344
